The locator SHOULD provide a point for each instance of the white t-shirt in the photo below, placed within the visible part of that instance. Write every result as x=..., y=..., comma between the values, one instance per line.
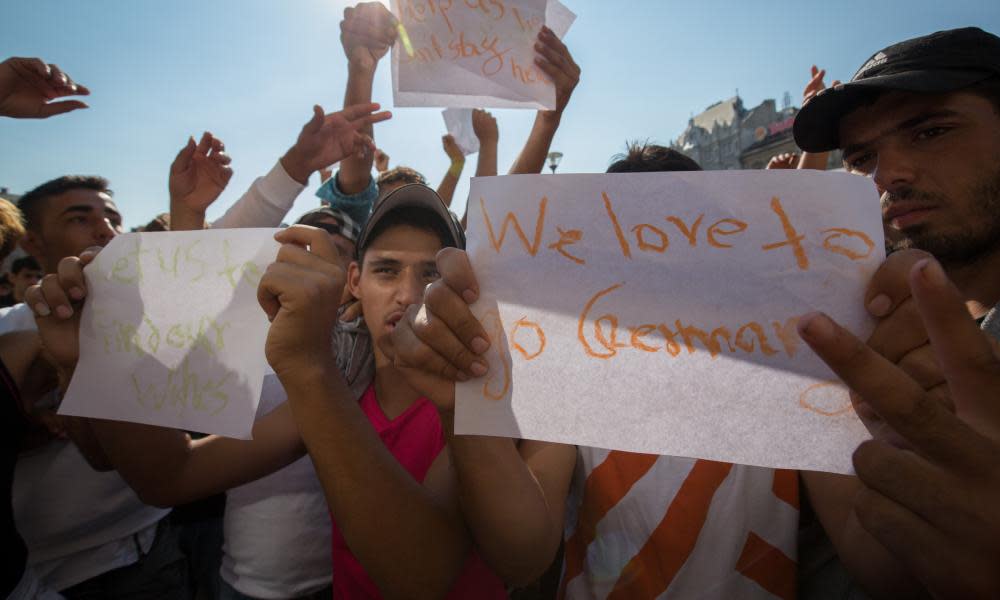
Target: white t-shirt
x=16, y=318
x=277, y=529
x=77, y=522
x=646, y=526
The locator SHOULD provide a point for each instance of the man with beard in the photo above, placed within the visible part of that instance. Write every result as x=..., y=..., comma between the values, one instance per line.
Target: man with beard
x=922, y=119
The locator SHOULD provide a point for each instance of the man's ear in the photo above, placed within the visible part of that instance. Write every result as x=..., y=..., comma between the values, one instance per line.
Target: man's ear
x=354, y=279
x=32, y=244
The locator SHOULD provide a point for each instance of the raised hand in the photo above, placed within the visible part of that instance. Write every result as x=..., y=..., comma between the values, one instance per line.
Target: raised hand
x=484, y=125
x=555, y=61
x=367, y=32
x=27, y=85
x=933, y=504
x=815, y=84
x=785, y=160
x=299, y=292
x=451, y=149
x=56, y=302
x=381, y=161
x=328, y=139
x=440, y=341
x=199, y=174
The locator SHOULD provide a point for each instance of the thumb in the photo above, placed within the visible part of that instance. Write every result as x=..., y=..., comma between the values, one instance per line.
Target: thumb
x=183, y=158
x=58, y=108
x=316, y=122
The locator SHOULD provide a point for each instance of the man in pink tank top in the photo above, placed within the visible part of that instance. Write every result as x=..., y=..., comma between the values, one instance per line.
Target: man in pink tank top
x=388, y=483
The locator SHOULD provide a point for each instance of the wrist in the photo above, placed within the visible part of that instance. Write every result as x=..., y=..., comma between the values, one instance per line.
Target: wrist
x=456, y=167
x=360, y=61
x=295, y=165
x=549, y=118
x=306, y=376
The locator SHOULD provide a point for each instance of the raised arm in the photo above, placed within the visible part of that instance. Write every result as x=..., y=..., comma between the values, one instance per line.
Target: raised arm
x=366, y=34
x=555, y=61
x=484, y=125
x=513, y=494
x=408, y=536
x=450, y=180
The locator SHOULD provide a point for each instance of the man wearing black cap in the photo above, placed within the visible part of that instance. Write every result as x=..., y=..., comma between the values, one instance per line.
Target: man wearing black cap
x=922, y=119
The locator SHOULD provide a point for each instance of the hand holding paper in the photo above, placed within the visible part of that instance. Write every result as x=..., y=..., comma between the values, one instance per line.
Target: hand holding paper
x=171, y=333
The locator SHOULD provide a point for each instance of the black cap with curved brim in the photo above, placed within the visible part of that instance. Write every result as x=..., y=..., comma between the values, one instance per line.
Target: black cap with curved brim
x=413, y=195
x=941, y=62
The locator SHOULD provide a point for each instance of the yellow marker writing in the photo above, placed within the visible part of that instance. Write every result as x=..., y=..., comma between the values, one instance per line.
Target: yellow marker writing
x=405, y=39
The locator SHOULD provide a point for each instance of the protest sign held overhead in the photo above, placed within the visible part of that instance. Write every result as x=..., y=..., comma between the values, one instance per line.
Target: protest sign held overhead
x=172, y=333
x=656, y=312
x=473, y=54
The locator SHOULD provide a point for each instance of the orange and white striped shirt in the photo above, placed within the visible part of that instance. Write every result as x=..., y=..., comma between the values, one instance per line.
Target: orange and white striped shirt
x=645, y=526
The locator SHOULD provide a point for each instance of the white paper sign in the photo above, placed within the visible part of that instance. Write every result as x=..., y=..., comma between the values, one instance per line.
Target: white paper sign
x=172, y=334
x=656, y=312
x=474, y=54
x=458, y=122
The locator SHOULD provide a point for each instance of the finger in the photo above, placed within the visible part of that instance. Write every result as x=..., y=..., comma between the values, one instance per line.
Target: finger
x=903, y=477
x=923, y=367
x=552, y=54
x=71, y=280
x=55, y=297
x=315, y=122
x=409, y=351
x=889, y=286
x=183, y=158
x=222, y=158
x=268, y=290
x=217, y=145
x=57, y=77
x=440, y=337
x=813, y=71
x=317, y=240
x=963, y=350
x=36, y=65
x=35, y=299
x=82, y=90
x=204, y=144
x=924, y=551
x=352, y=310
x=456, y=271
x=446, y=306
x=897, y=399
x=57, y=108
x=356, y=111
x=899, y=333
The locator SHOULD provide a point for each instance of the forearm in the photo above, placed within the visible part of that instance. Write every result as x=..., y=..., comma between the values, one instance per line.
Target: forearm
x=166, y=468
x=449, y=182
x=267, y=201
x=355, y=171
x=814, y=160
x=868, y=562
x=408, y=541
x=536, y=149
x=513, y=525
x=185, y=219
x=486, y=164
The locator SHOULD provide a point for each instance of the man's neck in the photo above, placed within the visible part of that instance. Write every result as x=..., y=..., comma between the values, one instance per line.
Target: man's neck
x=394, y=395
x=979, y=282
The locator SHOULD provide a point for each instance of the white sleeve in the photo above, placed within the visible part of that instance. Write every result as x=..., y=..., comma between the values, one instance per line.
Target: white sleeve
x=265, y=204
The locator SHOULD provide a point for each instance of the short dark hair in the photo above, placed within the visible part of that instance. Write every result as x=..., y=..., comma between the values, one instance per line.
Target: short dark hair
x=412, y=216
x=400, y=175
x=25, y=262
x=643, y=157
x=32, y=203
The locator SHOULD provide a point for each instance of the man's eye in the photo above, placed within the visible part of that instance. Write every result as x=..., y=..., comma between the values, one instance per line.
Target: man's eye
x=432, y=275
x=931, y=132
x=79, y=220
x=385, y=270
x=858, y=163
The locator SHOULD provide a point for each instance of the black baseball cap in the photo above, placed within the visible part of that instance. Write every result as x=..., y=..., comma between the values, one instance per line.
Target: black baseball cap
x=413, y=195
x=944, y=61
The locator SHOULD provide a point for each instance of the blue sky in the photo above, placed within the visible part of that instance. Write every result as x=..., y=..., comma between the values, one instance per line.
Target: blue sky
x=250, y=70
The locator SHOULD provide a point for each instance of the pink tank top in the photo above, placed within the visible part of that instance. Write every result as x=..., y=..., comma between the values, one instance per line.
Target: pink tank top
x=415, y=438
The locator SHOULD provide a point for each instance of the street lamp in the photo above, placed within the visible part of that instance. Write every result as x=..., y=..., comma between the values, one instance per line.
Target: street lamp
x=554, y=159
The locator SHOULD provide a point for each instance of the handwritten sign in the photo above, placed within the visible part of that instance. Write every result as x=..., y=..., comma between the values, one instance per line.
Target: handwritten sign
x=458, y=122
x=474, y=53
x=172, y=334
x=656, y=312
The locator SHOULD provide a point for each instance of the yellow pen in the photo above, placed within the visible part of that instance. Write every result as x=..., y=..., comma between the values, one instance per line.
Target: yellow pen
x=405, y=39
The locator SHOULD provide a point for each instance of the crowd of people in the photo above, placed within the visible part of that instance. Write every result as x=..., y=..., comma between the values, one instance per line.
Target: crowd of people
x=356, y=486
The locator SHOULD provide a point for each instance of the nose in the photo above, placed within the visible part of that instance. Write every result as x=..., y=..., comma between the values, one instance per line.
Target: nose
x=895, y=169
x=411, y=288
x=104, y=232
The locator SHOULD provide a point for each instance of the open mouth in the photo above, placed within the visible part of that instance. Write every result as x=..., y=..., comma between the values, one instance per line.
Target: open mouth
x=393, y=319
